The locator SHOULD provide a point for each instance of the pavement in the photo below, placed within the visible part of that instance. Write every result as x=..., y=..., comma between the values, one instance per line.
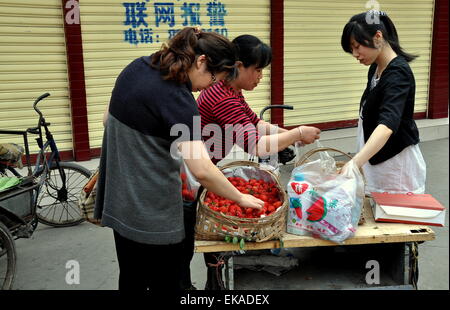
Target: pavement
x=50, y=258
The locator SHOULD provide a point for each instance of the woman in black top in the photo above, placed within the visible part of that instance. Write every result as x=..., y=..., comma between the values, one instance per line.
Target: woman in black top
x=388, y=137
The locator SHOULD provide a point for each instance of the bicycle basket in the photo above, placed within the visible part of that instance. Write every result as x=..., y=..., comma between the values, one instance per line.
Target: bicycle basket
x=18, y=198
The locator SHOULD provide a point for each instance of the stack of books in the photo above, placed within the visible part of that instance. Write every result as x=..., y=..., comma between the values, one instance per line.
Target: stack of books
x=408, y=208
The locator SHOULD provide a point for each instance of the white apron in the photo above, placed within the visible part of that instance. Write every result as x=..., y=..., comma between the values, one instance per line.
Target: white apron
x=403, y=173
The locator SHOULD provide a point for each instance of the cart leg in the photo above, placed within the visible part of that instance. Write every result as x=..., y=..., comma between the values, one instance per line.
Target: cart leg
x=405, y=264
x=229, y=273
x=413, y=256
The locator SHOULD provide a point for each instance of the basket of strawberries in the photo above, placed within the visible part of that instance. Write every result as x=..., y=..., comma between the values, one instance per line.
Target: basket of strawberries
x=222, y=219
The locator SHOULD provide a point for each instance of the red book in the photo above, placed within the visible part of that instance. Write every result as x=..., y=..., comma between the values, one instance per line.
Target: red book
x=408, y=208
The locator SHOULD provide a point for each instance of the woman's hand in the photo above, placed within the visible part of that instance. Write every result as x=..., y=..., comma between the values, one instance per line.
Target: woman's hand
x=347, y=166
x=270, y=144
x=374, y=144
x=308, y=134
x=249, y=201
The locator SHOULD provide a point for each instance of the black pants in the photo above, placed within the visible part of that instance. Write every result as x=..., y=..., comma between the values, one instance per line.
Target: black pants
x=190, y=213
x=148, y=266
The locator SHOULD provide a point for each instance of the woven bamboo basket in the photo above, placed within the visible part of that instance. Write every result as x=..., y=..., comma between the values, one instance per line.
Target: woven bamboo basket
x=339, y=164
x=213, y=225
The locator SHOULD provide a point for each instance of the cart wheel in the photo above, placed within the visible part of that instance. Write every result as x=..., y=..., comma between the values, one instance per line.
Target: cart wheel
x=58, y=207
x=7, y=258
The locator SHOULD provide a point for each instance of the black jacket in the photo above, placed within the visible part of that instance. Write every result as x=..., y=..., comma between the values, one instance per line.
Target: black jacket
x=391, y=103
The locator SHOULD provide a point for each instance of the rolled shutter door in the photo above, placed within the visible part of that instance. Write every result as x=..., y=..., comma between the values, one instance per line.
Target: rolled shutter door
x=116, y=32
x=33, y=61
x=324, y=83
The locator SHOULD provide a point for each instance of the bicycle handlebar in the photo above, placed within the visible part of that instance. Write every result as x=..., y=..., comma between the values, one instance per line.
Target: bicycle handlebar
x=36, y=102
x=275, y=106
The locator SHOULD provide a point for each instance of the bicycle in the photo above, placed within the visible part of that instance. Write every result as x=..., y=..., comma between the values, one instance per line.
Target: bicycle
x=48, y=194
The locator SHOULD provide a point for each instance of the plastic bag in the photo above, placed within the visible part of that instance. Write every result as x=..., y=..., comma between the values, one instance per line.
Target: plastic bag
x=11, y=154
x=331, y=209
x=270, y=163
x=189, y=184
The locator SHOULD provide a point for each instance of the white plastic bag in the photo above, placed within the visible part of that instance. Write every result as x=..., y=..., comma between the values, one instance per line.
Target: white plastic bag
x=332, y=208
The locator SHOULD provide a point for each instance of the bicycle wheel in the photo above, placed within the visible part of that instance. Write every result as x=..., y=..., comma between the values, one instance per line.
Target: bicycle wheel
x=57, y=206
x=7, y=258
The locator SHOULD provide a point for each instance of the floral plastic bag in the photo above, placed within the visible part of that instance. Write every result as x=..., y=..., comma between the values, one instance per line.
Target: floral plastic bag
x=323, y=203
x=190, y=185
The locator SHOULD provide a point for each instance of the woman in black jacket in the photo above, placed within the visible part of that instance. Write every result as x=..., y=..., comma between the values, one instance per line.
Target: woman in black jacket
x=388, y=137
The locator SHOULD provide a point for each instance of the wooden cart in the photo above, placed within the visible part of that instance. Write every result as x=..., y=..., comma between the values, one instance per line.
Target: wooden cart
x=394, y=246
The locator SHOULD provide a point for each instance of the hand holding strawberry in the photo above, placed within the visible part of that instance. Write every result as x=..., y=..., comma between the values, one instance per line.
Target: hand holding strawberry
x=249, y=201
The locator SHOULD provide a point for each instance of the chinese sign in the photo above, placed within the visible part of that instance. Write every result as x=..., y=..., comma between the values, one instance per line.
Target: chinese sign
x=149, y=22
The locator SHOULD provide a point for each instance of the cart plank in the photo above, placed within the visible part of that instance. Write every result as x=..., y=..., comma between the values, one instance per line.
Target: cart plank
x=368, y=233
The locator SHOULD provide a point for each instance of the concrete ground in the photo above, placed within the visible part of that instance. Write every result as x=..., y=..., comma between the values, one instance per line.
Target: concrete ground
x=47, y=259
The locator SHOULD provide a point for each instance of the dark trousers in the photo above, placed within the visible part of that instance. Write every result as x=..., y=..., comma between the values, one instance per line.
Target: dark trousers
x=148, y=266
x=190, y=213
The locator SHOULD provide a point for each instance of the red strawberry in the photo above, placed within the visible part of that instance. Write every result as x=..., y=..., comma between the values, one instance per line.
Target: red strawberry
x=317, y=211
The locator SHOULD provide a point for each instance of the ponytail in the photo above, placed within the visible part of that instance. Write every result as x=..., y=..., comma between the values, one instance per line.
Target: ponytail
x=363, y=27
x=393, y=40
x=176, y=57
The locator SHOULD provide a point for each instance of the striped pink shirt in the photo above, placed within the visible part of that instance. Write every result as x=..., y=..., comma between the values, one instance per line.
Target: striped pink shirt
x=220, y=106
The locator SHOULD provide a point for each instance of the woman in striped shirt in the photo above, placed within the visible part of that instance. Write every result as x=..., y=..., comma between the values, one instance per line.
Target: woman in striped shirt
x=223, y=105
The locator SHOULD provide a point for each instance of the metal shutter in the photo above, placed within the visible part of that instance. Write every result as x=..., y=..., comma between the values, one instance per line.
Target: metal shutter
x=33, y=61
x=323, y=82
x=105, y=26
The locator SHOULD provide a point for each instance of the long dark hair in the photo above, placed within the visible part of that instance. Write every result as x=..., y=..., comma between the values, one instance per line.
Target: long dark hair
x=176, y=57
x=363, y=27
x=252, y=51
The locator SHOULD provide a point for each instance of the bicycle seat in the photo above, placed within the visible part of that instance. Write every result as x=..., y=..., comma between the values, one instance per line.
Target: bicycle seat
x=33, y=130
